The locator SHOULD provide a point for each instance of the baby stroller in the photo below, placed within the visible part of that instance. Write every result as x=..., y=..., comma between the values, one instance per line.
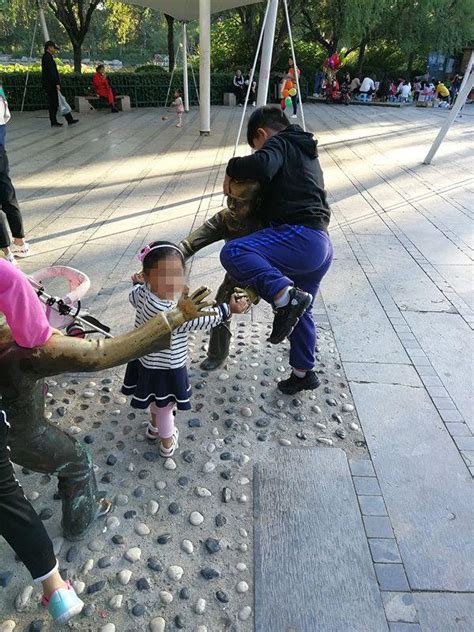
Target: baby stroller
x=63, y=312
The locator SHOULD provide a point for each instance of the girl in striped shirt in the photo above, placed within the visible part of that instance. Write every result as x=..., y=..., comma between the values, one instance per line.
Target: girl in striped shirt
x=160, y=380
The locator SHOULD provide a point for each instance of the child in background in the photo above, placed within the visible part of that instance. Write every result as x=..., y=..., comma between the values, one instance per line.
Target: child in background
x=160, y=380
x=179, y=107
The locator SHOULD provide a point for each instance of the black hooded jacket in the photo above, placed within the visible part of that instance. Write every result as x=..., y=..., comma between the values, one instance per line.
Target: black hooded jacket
x=288, y=168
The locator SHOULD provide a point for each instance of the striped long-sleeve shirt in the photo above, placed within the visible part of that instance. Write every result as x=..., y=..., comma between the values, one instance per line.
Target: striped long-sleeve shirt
x=148, y=305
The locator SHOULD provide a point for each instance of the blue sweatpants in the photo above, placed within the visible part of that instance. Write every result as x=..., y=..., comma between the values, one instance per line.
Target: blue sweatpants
x=275, y=258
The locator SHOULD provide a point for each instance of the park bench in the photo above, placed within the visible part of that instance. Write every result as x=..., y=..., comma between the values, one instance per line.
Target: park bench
x=84, y=104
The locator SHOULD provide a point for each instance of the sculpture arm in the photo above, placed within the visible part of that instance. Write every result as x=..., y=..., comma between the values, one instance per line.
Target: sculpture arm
x=63, y=353
x=214, y=229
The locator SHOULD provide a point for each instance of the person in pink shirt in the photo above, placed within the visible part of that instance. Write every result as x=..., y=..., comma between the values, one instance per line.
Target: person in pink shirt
x=21, y=307
x=20, y=525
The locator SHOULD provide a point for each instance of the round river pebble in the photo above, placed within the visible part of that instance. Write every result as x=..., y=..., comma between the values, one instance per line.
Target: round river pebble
x=176, y=553
x=196, y=518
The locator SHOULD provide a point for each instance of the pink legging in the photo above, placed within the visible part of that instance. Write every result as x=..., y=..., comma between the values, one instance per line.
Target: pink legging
x=164, y=419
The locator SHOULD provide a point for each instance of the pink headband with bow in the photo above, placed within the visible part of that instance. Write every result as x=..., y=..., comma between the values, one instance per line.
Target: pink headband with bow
x=147, y=249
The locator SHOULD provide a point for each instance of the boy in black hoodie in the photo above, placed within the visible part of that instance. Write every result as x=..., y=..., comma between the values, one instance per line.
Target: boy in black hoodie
x=287, y=260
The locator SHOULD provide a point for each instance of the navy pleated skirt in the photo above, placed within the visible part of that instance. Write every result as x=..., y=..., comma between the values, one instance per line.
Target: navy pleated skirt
x=159, y=386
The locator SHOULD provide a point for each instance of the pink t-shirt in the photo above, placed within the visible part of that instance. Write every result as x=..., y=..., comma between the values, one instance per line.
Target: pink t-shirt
x=22, y=308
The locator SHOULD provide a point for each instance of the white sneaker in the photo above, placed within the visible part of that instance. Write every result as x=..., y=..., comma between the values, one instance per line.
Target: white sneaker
x=294, y=116
x=9, y=256
x=21, y=251
x=254, y=104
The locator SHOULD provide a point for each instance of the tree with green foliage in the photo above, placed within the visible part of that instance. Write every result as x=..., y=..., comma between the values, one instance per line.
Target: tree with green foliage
x=236, y=32
x=430, y=25
x=75, y=16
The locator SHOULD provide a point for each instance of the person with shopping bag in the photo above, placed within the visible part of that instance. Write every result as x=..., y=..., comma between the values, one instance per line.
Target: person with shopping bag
x=51, y=82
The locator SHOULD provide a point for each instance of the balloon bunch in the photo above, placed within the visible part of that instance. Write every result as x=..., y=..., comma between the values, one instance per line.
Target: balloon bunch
x=288, y=90
x=287, y=93
x=332, y=64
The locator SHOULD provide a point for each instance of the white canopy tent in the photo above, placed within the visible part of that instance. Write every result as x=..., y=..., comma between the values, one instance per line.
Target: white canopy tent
x=188, y=10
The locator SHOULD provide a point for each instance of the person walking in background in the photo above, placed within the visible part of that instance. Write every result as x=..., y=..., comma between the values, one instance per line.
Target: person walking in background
x=454, y=88
x=102, y=88
x=8, y=202
x=51, y=83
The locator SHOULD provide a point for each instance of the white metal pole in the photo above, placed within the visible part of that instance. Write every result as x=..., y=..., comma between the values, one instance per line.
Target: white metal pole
x=44, y=26
x=467, y=71
x=460, y=101
x=205, y=66
x=28, y=72
x=267, y=51
x=185, y=68
x=295, y=65
x=249, y=87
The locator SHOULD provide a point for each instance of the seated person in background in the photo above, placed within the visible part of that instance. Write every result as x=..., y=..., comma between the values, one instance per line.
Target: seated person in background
x=102, y=88
x=238, y=87
x=367, y=86
x=416, y=89
x=383, y=90
x=346, y=83
x=355, y=86
x=392, y=95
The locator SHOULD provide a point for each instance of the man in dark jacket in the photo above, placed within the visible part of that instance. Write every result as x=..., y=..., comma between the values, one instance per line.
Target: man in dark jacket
x=51, y=83
x=286, y=261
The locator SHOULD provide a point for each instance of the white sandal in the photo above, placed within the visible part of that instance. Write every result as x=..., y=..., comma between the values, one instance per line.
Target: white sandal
x=152, y=433
x=168, y=452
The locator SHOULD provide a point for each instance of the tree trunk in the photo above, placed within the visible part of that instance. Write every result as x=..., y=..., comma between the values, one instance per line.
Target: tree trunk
x=361, y=59
x=411, y=59
x=170, y=22
x=77, y=58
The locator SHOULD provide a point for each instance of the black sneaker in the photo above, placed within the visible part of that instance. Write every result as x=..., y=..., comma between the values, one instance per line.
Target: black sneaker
x=287, y=317
x=73, y=122
x=295, y=384
x=56, y=124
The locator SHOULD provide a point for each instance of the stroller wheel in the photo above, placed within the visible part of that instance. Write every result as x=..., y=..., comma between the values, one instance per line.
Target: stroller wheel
x=75, y=330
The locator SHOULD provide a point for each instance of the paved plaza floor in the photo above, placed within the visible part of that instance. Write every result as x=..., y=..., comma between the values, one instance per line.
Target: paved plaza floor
x=350, y=510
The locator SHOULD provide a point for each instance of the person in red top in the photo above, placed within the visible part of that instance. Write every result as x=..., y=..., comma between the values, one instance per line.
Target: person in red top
x=102, y=88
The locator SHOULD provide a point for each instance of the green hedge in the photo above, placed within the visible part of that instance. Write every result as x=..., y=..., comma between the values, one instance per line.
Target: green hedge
x=144, y=89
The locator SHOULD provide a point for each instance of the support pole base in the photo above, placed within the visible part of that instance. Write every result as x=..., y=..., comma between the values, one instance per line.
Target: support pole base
x=201, y=133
